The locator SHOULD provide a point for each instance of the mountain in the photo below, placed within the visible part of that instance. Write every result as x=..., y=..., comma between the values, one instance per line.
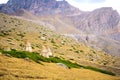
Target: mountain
x=37, y=7
x=99, y=29
x=45, y=12
x=102, y=29
x=29, y=21
x=99, y=21
x=14, y=33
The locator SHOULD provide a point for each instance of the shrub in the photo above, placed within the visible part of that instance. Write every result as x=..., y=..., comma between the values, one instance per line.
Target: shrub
x=52, y=41
x=4, y=33
x=79, y=51
x=23, y=54
x=21, y=35
x=21, y=45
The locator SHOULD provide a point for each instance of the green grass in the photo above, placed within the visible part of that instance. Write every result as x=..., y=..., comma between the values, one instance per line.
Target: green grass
x=99, y=70
x=37, y=58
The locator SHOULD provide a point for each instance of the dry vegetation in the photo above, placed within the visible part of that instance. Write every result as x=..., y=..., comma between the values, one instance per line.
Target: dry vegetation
x=20, y=69
x=14, y=32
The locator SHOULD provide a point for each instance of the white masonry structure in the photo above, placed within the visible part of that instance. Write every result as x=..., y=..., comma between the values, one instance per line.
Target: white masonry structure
x=28, y=47
x=46, y=52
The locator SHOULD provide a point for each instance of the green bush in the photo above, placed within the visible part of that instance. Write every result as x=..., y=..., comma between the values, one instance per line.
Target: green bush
x=4, y=33
x=52, y=41
x=22, y=54
x=21, y=35
x=99, y=70
x=79, y=51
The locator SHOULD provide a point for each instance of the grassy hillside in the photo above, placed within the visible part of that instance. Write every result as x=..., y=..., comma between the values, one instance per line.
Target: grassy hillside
x=15, y=32
x=38, y=58
x=14, y=69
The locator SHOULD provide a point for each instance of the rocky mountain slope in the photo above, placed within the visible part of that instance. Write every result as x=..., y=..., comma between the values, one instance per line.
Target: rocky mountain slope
x=15, y=32
x=102, y=29
x=99, y=29
x=98, y=21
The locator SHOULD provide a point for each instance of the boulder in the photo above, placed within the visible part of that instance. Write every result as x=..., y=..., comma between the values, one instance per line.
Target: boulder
x=62, y=65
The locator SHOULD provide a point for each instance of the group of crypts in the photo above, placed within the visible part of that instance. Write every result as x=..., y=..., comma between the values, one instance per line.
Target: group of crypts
x=46, y=51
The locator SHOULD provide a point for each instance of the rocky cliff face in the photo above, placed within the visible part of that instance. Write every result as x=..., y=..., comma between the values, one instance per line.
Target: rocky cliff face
x=38, y=7
x=98, y=21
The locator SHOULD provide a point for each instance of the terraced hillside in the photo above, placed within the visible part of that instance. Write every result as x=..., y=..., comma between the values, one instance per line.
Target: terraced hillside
x=15, y=32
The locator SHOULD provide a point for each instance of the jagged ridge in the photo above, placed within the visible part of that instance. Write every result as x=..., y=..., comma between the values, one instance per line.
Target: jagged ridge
x=37, y=7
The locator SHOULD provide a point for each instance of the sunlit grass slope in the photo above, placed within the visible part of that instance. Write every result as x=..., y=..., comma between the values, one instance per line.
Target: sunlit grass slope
x=21, y=69
x=15, y=32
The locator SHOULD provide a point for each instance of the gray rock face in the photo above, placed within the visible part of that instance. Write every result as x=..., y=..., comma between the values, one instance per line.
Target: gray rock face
x=39, y=7
x=101, y=28
x=98, y=21
x=116, y=36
